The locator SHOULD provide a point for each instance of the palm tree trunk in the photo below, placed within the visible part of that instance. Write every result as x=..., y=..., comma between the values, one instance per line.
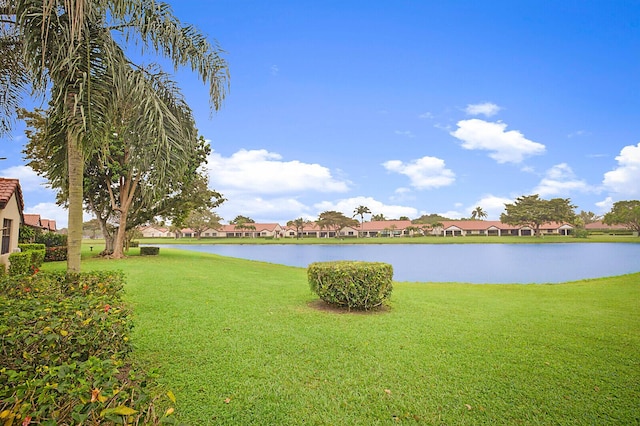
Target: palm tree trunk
x=76, y=173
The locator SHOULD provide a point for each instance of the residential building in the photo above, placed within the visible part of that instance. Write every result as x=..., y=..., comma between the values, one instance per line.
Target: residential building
x=11, y=216
x=152, y=231
x=497, y=228
x=36, y=222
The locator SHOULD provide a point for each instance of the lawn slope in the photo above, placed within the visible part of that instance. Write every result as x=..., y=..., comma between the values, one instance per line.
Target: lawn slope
x=243, y=342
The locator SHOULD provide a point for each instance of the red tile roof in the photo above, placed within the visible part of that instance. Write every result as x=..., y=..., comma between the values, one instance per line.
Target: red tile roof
x=601, y=225
x=31, y=219
x=9, y=187
x=478, y=225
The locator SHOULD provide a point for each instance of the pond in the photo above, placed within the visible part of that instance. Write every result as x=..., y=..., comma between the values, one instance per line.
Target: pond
x=469, y=263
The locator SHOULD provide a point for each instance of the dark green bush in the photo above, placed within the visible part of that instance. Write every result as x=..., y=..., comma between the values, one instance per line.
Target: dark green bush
x=19, y=263
x=134, y=244
x=580, y=233
x=149, y=251
x=51, y=239
x=64, y=341
x=351, y=284
x=55, y=254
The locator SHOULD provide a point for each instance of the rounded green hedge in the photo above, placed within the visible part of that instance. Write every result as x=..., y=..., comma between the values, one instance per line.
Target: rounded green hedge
x=351, y=284
x=149, y=251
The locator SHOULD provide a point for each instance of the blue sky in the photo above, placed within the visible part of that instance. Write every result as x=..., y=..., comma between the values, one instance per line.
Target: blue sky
x=410, y=107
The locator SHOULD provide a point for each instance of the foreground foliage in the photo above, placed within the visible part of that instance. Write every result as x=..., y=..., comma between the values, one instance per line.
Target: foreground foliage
x=64, y=345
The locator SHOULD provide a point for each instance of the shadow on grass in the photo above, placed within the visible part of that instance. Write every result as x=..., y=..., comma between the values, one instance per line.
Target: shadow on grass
x=322, y=306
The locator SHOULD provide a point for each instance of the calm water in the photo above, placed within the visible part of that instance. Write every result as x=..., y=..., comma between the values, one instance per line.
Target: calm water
x=473, y=263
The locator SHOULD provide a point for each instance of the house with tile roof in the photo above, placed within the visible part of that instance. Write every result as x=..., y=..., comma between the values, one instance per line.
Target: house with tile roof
x=11, y=216
x=155, y=232
x=600, y=226
x=382, y=228
x=455, y=228
x=248, y=230
x=35, y=221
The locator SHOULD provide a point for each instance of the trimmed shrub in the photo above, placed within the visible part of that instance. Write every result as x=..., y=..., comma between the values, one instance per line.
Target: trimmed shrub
x=149, y=251
x=134, y=244
x=351, y=284
x=29, y=247
x=51, y=239
x=55, y=254
x=19, y=263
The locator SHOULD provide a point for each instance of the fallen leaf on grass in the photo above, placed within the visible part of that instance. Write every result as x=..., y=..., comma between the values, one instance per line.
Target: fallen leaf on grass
x=468, y=406
x=227, y=400
x=387, y=391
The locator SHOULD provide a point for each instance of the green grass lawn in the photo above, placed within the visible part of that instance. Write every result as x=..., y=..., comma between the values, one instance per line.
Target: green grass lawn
x=245, y=343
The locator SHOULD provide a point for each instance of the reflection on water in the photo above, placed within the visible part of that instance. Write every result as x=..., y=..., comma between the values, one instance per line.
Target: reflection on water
x=473, y=263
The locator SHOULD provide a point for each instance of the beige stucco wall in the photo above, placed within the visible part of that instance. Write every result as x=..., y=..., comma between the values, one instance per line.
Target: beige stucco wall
x=11, y=211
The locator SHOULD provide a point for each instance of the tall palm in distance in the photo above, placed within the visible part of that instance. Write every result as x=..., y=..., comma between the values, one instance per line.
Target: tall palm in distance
x=69, y=51
x=361, y=211
x=478, y=214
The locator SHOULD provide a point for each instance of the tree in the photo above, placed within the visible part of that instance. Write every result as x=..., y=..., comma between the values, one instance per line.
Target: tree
x=243, y=223
x=361, y=211
x=478, y=213
x=299, y=224
x=239, y=220
x=625, y=213
x=334, y=221
x=14, y=77
x=128, y=185
x=430, y=219
x=201, y=219
x=70, y=50
x=533, y=211
x=589, y=217
x=378, y=217
x=92, y=227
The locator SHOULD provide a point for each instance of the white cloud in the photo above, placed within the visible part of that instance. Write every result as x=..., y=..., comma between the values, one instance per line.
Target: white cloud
x=625, y=179
x=348, y=205
x=424, y=173
x=605, y=205
x=274, y=70
x=426, y=115
x=452, y=214
x=505, y=146
x=266, y=210
x=491, y=204
x=560, y=180
x=487, y=109
x=262, y=172
x=407, y=133
x=29, y=180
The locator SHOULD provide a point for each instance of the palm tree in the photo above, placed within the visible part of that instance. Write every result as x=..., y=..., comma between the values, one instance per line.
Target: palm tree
x=378, y=217
x=478, y=213
x=361, y=211
x=69, y=49
x=299, y=224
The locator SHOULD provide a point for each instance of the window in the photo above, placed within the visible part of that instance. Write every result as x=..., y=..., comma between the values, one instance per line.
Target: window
x=6, y=236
